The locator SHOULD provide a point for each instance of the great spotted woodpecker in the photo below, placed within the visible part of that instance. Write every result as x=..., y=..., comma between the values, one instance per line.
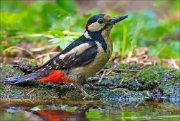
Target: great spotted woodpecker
x=81, y=59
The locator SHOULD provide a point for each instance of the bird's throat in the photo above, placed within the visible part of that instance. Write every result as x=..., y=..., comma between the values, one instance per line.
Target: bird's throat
x=109, y=44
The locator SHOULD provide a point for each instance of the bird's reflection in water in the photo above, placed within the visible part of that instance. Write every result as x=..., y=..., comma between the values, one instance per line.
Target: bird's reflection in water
x=87, y=111
x=57, y=115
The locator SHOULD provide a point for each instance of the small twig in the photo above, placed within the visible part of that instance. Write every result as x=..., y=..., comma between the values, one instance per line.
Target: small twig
x=109, y=71
x=20, y=48
x=174, y=64
x=126, y=70
x=31, y=91
x=137, y=75
x=102, y=77
x=50, y=53
x=69, y=33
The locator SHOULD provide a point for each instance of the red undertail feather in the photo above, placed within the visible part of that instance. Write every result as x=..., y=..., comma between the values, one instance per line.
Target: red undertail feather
x=56, y=76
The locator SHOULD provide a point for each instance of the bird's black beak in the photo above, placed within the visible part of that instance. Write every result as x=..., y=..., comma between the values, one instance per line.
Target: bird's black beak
x=117, y=19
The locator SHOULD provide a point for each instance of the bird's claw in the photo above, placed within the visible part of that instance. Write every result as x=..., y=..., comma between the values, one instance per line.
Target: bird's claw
x=92, y=86
x=88, y=97
x=96, y=96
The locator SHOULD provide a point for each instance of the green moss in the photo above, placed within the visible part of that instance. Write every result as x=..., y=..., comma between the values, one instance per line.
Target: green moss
x=28, y=92
x=73, y=95
x=151, y=76
x=111, y=81
x=121, y=96
x=30, y=62
x=126, y=83
x=145, y=78
x=8, y=71
x=166, y=79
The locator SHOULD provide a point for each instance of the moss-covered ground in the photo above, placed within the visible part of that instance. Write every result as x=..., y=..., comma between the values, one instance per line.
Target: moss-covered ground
x=116, y=83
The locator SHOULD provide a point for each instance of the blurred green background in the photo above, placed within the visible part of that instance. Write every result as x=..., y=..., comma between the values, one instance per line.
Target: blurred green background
x=154, y=24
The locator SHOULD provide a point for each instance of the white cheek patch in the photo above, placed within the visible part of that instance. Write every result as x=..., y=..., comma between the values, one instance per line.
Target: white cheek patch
x=95, y=27
x=77, y=50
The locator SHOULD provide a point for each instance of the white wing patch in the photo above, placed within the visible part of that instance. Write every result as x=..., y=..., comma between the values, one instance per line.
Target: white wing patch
x=77, y=50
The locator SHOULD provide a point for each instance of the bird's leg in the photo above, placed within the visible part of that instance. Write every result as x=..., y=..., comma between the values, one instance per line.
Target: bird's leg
x=86, y=95
x=91, y=85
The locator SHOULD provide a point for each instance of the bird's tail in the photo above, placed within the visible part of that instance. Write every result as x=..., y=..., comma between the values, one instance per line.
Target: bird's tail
x=28, y=77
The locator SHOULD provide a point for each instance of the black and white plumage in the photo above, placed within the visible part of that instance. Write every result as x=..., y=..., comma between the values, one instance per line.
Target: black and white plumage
x=78, y=53
x=83, y=57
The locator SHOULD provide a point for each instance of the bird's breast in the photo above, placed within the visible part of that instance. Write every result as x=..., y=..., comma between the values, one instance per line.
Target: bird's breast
x=100, y=60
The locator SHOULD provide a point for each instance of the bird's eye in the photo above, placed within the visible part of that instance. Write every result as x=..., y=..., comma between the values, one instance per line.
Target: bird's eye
x=100, y=21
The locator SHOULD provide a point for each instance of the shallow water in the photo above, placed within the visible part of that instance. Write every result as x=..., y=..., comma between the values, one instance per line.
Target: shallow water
x=63, y=110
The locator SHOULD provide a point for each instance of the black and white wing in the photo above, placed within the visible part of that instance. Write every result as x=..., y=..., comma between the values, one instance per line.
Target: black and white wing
x=77, y=54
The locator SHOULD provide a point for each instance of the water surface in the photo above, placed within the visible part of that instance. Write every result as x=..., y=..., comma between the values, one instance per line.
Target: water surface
x=63, y=110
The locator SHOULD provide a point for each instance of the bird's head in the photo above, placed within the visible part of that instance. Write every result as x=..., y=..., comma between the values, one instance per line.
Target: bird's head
x=101, y=22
